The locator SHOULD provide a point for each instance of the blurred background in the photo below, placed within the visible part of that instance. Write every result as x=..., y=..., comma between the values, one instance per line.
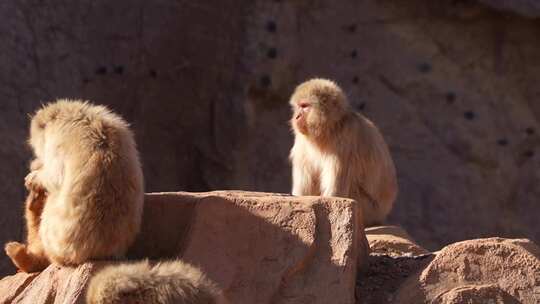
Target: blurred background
x=453, y=85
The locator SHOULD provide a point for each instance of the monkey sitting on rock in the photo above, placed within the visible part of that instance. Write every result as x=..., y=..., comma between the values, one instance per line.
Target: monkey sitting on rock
x=85, y=203
x=339, y=152
x=87, y=163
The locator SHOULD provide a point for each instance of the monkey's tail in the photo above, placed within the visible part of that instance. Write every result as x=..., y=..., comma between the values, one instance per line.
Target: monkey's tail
x=163, y=283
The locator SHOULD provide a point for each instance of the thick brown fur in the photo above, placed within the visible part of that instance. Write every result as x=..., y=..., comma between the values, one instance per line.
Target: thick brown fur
x=172, y=282
x=88, y=171
x=339, y=152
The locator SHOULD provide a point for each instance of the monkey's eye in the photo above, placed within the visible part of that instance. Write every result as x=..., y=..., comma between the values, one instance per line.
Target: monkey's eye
x=303, y=104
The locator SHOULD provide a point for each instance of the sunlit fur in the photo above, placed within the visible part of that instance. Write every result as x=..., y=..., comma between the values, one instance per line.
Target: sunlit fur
x=91, y=173
x=172, y=282
x=339, y=152
x=30, y=257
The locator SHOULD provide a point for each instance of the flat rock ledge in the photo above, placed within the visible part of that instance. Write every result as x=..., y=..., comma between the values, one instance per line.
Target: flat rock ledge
x=259, y=247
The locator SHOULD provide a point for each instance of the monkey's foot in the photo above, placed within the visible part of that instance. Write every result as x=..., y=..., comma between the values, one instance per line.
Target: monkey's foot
x=24, y=260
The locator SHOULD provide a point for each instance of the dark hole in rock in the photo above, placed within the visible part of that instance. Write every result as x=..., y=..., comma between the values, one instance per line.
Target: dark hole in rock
x=502, y=142
x=528, y=153
x=351, y=28
x=272, y=53
x=355, y=79
x=529, y=131
x=85, y=80
x=271, y=26
x=101, y=70
x=265, y=81
x=424, y=67
x=361, y=106
x=119, y=69
x=469, y=115
x=354, y=54
x=153, y=73
x=450, y=97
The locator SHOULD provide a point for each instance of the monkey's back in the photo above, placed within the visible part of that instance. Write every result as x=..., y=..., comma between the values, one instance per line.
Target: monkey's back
x=378, y=177
x=171, y=282
x=96, y=212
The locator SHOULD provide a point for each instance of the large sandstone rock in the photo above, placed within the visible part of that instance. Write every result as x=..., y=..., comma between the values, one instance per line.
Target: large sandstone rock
x=492, y=270
x=258, y=247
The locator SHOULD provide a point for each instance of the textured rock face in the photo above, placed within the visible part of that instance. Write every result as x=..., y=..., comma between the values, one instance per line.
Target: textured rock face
x=452, y=85
x=54, y=285
x=527, y=8
x=258, y=247
x=492, y=270
x=392, y=241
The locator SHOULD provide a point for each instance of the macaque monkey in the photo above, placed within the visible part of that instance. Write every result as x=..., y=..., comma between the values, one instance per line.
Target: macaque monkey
x=172, y=282
x=339, y=152
x=86, y=187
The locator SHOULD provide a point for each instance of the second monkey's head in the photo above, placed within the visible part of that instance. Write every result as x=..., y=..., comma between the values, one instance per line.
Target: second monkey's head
x=318, y=105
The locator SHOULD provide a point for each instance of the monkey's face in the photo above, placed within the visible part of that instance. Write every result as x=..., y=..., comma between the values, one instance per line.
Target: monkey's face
x=317, y=105
x=302, y=110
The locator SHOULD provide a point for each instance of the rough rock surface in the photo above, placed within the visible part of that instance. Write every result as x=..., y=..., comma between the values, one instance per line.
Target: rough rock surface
x=258, y=247
x=492, y=270
x=452, y=85
x=392, y=241
x=527, y=8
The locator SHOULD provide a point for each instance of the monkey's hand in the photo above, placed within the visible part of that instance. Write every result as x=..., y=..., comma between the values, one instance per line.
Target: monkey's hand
x=35, y=201
x=31, y=182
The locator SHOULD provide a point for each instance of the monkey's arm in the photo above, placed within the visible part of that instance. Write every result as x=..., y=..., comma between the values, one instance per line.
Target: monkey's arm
x=345, y=180
x=335, y=180
x=305, y=179
x=302, y=183
x=30, y=257
x=37, y=192
x=36, y=164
